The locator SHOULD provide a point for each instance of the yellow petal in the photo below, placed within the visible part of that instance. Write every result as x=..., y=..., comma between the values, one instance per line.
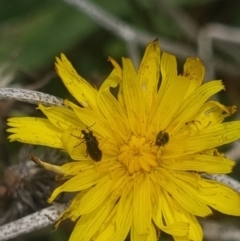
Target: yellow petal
x=169, y=73
x=197, y=141
x=220, y=197
x=199, y=163
x=50, y=167
x=89, y=224
x=168, y=70
x=108, y=228
x=149, y=72
x=93, y=120
x=74, y=144
x=172, y=228
x=124, y=213
x=119, y=72
x=60, y=117
x=169, y=105
x=37, y=131
x=141, y=206
x=194, y=70
x=107, y=103
x=133, y=97
x=116, y=66
x=74, y=168
x=80, y=182
x=211, y=113
x=101, y=192
x=106, y=233
x=173, y=212
x=84, y=93
x=71, y=211
x=194, y=102
x=180, y=191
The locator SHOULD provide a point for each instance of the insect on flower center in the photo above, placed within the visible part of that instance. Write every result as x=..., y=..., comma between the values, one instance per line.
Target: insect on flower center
x=138, y=155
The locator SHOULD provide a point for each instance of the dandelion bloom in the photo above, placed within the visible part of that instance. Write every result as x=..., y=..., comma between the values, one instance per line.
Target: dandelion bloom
x=154, y=138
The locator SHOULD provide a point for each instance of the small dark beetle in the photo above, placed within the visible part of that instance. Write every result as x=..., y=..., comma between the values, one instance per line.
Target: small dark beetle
x=162, y=138
x=92, y=145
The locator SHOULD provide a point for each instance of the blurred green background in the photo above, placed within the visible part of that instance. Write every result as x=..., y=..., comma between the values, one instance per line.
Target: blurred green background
x=33, y=33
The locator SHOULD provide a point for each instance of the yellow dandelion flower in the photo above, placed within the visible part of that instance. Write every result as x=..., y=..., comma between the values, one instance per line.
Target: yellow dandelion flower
x=138, y=156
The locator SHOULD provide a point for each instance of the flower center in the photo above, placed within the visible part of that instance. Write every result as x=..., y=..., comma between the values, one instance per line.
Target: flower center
x=138, y=155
